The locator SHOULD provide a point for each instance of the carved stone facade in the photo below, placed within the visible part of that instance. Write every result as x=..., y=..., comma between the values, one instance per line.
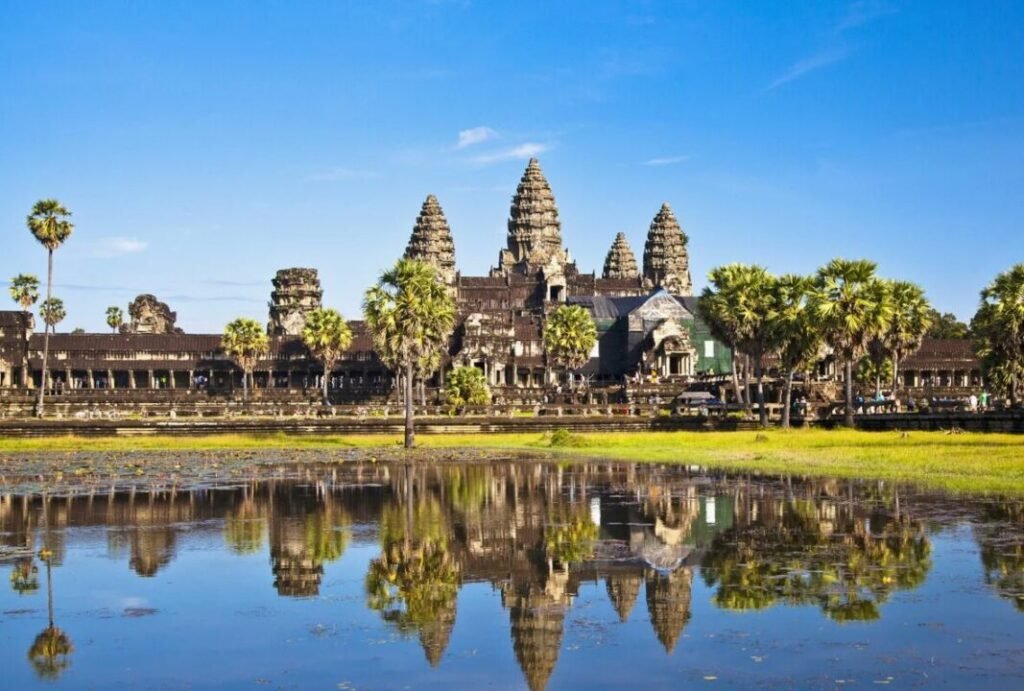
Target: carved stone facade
x=150, y=316
x=296, y=293
x=620, y=262
x=666, y=259
x=432, y=242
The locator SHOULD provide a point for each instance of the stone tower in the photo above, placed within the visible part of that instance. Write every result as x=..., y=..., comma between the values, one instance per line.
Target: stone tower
x=534, y=231
x=431, y=240
x=620, y=262
x=296, y=293
x=150, y=316
x=666, y=259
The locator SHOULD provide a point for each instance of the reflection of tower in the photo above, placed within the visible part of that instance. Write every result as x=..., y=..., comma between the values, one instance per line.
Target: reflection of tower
x=296, y=572
x=152, y=548
x=623, y=590
x=538, y=620
x=668, y=603
x=435, y=634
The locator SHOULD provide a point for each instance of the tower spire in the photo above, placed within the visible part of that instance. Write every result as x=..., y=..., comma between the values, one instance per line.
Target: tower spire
x=431, y=240
x=666, y=259
x=620, y=262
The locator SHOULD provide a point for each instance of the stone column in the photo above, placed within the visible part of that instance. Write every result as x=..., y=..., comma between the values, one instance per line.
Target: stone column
x=191, y=379
x=131, y=379
x=152, y=380
x=111, y=384
x=90, y=382
x=170, y=379
x=68, y=382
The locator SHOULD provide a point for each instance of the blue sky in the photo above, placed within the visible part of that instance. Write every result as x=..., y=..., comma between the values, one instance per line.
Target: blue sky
x=203, y=145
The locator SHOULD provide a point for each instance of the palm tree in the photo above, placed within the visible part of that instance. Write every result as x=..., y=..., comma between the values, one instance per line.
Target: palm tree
x=327, y=336
x=52, y=311
x=25, y=290
x=754, y=307
x=51, y=649
x=911, y=320
x=245, y=342
x=466, y=386
x=722, y=307
x=852, y=307
x=48, y=223
x=410, y=316
x=998, y=327
x=569, y=336
x=798, y=338
x=115, y=318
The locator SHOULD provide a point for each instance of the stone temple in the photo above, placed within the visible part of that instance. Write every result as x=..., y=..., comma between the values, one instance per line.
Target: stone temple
x=646, y=319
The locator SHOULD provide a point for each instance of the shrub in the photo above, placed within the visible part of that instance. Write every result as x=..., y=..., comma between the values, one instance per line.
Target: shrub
x=466, y=386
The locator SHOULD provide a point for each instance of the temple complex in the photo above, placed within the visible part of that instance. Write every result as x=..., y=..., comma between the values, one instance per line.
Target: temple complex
x=647, y=324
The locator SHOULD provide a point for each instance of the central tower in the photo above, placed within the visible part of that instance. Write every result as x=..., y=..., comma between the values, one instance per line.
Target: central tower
x=534, y=231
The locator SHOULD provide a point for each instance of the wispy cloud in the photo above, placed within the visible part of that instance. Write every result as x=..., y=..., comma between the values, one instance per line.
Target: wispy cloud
x=857, y=14
x=342, y=174
x=666, y=160
x=117, y=246
x=804, y=67
x=863, y=12
x=523, y=151
x=475, y=135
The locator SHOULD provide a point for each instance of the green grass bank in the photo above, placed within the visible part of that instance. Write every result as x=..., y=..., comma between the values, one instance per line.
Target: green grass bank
x=958, y=462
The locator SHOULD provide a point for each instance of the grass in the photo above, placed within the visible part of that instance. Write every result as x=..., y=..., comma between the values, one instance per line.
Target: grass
x=963, y=462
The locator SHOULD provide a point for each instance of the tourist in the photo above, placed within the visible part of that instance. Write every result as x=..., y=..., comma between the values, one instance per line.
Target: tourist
x=972, y=403
x=983, y=400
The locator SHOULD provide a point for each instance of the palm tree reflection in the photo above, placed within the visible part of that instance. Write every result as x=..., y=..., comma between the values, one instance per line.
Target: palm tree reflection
x=50, y=653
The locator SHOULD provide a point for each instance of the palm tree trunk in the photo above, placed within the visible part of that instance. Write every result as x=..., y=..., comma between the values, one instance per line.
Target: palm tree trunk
x=245, y=385
x=410, y=433
x=736, y=379
x=46, y=334
x=895, y=374
x=762, y=411
x=748, y=406
x=787, y=399
x=848, y=417
x=327, y=374
x=49, y=592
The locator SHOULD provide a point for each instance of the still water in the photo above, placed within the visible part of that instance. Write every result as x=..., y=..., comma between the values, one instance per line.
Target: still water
x=510, y=575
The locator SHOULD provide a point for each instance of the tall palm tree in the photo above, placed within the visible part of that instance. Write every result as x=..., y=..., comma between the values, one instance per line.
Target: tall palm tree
x=732, y=306
x=998, y=327
x=755, y=309
x=798, y=338
x=410, y=315
x=852, y=307
x=52, y=311
x=245, y=342
x=911, y=320
x=25, y=290
x=115, y=318
x=51, y=649
x=49, y=223
x=327, y=336
x=569, y=336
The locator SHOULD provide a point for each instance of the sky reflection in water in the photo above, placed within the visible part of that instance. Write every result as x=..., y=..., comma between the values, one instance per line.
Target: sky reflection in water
x=513, y=574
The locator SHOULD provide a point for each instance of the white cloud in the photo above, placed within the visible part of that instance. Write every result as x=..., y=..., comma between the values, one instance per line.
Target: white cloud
x=808, y=65
x=117, y=246
x=666, y=160
x=475, y=135
x=523, y=151
x=341, y=174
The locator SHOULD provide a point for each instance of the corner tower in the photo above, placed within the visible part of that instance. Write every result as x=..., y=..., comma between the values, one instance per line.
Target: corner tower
x=620, y=262
x=431, y=240
x=666, y=258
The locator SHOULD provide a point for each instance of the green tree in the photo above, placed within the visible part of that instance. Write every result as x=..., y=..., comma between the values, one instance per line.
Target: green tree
x=998, y=328
x=466, y=386
x=874, y=368
x=25, y=290
x=755, y=308
x=245, y=342
x=410, y=316
x=52, y=311
x=569, y=336
x=797, y=336
x=719, y=307
x=852, y=306
x=115, y=318
x=911, y=319
x=327, y=336
x=49, y=224
x=946, y=325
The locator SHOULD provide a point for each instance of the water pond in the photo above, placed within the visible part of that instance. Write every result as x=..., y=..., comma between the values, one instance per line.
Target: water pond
x=511, y=574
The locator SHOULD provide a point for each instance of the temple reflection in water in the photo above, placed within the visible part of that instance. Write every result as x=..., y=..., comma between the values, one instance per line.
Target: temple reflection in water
x=536, y=532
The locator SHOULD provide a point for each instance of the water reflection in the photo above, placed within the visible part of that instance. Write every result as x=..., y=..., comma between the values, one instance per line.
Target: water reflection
x=535, y=532
x=50, y=653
